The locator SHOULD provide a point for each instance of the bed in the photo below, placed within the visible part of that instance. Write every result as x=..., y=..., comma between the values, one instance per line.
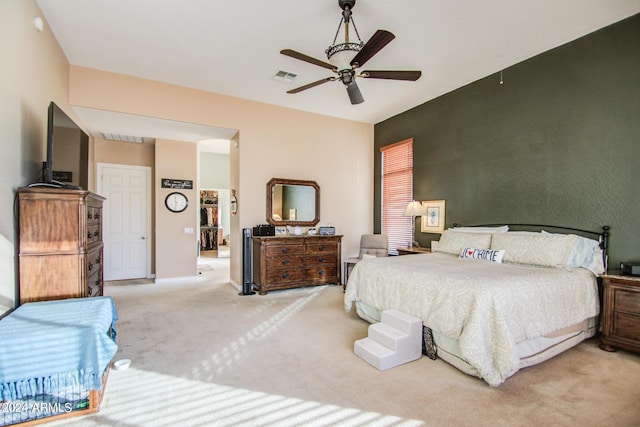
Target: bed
x=492, y=301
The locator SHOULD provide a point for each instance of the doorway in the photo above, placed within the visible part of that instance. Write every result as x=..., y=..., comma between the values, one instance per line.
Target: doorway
x=127, y=220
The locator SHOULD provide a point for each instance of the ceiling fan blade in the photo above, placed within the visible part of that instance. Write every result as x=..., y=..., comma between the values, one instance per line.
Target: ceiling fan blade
x=310, y=85
x=354, y=93
x=305, y=58
x=379, y=40
x=392, y=75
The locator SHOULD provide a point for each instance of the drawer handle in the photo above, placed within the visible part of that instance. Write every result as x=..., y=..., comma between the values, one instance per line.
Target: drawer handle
x=285, y=250
x=321, y=272
x=89, y=215
x=90, y=267
x=96, y=234
x=285, y=262
x=321, y=259
x=285, y=275
x=97, y=216
x=321, y=248
x=98, y=260
x=89, y=235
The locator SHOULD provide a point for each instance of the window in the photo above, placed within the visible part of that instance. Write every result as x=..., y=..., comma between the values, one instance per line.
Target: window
x=397, y=192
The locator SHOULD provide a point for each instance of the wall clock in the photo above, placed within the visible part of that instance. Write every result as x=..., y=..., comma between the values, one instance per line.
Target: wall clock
x=176, y=202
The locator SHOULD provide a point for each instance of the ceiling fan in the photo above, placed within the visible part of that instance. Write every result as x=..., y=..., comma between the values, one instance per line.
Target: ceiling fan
x=343, y=62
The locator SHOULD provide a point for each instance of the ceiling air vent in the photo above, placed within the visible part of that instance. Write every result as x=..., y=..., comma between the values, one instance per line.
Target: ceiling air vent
x=124, y=138
x=284, y=76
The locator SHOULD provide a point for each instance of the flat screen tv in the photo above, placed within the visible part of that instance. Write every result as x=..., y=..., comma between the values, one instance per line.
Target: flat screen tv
x=67, y=162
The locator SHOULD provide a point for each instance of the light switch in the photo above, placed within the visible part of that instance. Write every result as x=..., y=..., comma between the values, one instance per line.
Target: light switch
x=188, y=230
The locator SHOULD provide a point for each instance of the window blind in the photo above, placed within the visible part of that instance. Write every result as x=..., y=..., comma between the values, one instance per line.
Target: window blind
x=397, y=193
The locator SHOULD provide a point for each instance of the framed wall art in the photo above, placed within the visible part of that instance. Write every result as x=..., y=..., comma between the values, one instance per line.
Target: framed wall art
x=433, y=220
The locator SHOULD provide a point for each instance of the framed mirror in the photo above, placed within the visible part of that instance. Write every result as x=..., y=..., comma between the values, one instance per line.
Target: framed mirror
x=293, y=202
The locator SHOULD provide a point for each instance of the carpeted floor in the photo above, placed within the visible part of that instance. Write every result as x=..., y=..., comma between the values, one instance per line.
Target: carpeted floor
x=203, y=355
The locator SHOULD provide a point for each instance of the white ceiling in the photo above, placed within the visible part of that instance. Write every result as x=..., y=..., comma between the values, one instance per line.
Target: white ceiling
x=232, y=47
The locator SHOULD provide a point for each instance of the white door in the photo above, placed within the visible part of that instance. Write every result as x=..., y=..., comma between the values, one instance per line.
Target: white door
x=126, y=220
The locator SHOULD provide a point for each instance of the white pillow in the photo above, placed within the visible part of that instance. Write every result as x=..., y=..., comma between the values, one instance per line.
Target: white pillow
x=548, y=250
x=483, y=254
x=500, y=229
x=587, y=254
x=452, y=242
x=364, y=256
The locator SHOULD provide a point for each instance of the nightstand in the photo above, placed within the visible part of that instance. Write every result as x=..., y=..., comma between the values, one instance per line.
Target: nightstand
x=413, y=250
x=620, y=312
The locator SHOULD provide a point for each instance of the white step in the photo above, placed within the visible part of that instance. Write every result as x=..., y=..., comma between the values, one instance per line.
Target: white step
x=402, y=321
x=397, y=339
x=389, y=337
x=374, y=354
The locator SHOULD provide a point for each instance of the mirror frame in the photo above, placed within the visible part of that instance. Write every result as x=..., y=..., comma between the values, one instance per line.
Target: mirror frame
x=275, y=181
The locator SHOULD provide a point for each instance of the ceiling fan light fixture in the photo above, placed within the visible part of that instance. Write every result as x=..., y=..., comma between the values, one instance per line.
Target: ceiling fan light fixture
x=341, y=55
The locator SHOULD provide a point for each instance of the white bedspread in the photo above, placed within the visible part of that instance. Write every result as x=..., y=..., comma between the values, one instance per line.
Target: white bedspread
x=487, y=307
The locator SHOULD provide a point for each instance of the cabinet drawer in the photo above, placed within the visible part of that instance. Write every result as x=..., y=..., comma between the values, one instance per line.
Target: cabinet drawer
x=627, y=301
x=275, y=250
x=320, y=248
x=286, y=275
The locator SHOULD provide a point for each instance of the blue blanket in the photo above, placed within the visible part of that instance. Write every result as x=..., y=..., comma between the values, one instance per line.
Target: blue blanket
x=49, y=345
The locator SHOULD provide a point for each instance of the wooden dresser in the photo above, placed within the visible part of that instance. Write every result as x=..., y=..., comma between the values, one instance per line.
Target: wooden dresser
x=60, y=244
x=293, y=262
x=620, y=312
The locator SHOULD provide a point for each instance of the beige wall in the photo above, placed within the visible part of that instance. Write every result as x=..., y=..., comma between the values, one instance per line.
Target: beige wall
x=34, y=72
x=272, y=142
x=124, y=153
x=176, y=251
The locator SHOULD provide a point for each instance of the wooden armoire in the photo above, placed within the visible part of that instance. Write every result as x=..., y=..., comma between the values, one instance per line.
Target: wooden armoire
x=60, y=243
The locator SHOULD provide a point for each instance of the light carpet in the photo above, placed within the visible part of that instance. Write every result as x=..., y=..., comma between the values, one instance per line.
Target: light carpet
x=204, y=356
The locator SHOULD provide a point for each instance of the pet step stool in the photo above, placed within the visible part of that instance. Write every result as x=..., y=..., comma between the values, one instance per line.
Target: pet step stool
x=397, y=339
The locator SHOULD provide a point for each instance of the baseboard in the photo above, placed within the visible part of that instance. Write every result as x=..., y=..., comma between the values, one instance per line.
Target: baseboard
x=235, y=285
x=177, y=279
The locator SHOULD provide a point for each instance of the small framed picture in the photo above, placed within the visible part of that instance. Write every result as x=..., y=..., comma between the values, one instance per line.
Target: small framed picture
x=433, y=220
x=281, y=231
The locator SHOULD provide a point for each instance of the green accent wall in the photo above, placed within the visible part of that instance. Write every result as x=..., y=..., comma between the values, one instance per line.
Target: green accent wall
x=557, y=143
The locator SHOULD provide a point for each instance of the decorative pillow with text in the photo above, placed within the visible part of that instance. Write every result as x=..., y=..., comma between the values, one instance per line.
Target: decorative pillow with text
x=492, y=255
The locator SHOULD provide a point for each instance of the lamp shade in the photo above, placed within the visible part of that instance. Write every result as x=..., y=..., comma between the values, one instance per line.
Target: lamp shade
x=414, y=208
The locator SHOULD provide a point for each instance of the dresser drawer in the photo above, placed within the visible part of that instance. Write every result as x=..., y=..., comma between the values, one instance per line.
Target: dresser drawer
x=93, y=234
x=282, y=276
x=94, y=260
x=275, y=250
x=322, y=273
x=319, y=260
x=94, y=284
x=285, y=261
x=626, y=326
x=313, y=249
x=627, y=300
x=94, y=215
